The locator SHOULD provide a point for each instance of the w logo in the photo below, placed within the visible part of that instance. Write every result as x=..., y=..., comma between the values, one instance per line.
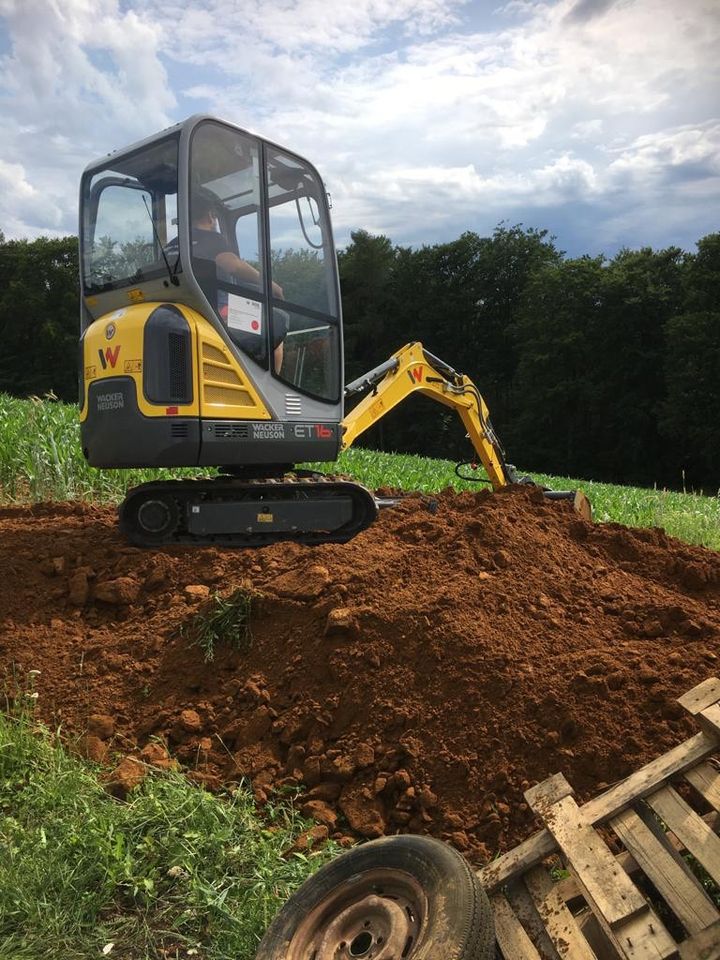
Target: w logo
x=109, y=356
x=415, y=374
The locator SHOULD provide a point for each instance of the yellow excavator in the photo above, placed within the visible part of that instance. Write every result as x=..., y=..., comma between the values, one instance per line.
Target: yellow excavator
x=211, y=336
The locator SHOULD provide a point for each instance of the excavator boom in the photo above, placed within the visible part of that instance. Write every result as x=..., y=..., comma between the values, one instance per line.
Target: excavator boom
x=413, y=369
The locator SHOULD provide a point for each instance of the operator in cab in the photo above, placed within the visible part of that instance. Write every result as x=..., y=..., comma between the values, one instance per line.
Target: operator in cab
x=209, y=244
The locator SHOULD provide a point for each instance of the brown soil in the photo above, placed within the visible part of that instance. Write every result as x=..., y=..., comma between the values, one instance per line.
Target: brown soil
x=418, y=678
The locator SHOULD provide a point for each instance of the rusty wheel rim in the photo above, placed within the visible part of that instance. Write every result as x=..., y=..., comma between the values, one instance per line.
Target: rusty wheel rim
x=380, y=914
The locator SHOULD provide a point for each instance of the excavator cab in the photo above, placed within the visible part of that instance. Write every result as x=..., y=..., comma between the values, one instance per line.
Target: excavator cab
x=210, y=304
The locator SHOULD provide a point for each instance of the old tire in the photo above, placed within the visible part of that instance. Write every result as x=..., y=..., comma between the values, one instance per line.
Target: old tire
x=398, y=898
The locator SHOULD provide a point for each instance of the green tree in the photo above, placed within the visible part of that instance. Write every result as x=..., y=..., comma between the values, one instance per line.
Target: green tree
x=366, y=268
x=553, y=420
x=590, y=379
x=302, y=275
x=39, y=316
x=690, y=415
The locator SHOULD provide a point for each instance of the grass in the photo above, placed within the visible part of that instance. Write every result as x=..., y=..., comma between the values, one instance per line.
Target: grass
x=41, y=456
x=41, y=459
x=172, y=869
x=223, y=620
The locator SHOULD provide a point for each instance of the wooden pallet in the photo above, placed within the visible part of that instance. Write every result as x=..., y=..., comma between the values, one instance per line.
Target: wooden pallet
x=602, y=910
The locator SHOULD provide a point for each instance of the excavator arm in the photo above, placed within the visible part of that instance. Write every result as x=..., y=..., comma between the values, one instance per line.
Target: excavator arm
x=414, y=370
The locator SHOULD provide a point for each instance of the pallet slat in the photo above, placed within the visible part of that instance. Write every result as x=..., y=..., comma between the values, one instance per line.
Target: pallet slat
x=605, y=885
x=706, y=780
x=560, y=924
x=644, y=781
x=703, y=695
x=665, y=868
x=709, y=719
x=509, y=932
x=519, y=898
x=630, y=923
x=690, y=829
x=643, y=937
x=703, y=946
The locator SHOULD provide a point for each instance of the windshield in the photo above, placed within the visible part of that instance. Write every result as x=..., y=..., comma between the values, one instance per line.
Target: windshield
x=262, y=254
x=225, y=233
x=303, y=268
x=129, y=216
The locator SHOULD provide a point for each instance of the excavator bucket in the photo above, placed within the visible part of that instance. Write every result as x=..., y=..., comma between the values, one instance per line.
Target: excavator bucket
x=582, y=505
x=579, y=501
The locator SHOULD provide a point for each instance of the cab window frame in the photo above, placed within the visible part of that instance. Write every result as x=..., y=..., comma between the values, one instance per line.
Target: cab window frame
x=91, y=193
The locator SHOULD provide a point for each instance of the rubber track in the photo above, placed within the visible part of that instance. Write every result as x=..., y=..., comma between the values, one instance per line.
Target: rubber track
x=223, y=489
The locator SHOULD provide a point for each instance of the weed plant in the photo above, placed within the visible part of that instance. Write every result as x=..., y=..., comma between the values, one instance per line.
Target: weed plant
x=172, y=869
x=223, y=620
x=41, y=459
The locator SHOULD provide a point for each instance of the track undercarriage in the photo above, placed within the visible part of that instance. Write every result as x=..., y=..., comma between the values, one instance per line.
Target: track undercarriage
x=232, y=511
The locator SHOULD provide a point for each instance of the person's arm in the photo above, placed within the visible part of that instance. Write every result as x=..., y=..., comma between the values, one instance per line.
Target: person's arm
x=241, y=269
x=278, y=354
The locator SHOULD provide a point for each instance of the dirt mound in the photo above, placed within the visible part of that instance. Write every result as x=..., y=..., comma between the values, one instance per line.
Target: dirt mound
x=418, y=678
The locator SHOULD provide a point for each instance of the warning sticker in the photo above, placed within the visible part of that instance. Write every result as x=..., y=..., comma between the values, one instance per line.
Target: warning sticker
x=244, y=314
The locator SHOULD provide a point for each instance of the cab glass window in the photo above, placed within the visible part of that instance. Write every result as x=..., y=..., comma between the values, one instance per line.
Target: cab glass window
x=129, y=218
x=303, y=277
x=300, y=247
x=225, y=232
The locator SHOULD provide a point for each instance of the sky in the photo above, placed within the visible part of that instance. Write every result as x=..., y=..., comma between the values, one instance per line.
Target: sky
x=598, y=120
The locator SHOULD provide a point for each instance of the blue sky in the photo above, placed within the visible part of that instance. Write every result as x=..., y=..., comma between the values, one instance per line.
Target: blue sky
x=596, y=119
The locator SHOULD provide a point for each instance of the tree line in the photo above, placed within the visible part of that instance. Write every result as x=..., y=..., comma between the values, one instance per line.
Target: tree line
x=592, y=367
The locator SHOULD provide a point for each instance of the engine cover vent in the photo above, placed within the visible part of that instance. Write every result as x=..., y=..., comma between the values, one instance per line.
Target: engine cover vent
x=178, y=344
x=232, y=431
x=293, y=405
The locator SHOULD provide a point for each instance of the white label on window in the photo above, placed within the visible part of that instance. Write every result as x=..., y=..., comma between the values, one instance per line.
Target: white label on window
x=244, y=314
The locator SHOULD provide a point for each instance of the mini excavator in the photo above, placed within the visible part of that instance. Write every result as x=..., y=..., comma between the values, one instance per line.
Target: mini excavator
x=211, y=336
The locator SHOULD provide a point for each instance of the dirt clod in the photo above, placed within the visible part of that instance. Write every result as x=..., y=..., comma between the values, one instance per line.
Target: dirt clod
x=127, y=775
x=122, y=590
x=101, y=726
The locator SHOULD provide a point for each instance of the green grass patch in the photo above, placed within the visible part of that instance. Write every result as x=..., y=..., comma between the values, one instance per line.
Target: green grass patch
x=41, y=456
x=222, y=621
x=41, y=459
x=173, y=868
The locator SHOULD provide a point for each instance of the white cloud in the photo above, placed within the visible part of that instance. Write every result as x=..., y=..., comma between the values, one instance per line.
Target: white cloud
x=413, y=115
x=696, y=148
x=81, y=78
x=22, y=205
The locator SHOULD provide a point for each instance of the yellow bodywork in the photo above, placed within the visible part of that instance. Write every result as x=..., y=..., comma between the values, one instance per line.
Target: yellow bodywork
x=113, y=346
x=415, y=373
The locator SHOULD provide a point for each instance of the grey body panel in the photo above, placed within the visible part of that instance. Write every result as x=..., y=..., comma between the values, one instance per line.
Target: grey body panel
x=230, y=442
x=254, y=516
x=117, y=434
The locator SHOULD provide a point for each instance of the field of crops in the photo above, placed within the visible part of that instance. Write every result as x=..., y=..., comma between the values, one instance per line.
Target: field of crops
x=40, y=459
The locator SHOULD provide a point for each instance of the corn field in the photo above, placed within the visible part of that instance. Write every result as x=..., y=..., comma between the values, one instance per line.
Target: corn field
x=41, y=459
